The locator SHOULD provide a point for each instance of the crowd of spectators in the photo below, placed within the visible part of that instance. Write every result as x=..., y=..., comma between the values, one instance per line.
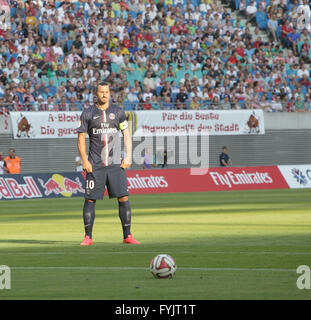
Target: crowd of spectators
x=156, y=54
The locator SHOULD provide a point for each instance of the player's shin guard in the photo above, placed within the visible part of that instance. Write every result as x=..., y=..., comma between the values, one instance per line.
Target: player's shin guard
x=89, y=217
x=125, y=217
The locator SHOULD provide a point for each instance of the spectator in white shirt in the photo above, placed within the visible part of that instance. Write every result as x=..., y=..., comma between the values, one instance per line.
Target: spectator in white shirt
x=58, y=49
x=276, y=104
x=104, y=73
x=149, y=81
x=305, y=8
x=146, y=94
x=303, y=71
x=251, y=10
x=132, y=96
x=204, y=6
x=89, y=51
x=117, y=58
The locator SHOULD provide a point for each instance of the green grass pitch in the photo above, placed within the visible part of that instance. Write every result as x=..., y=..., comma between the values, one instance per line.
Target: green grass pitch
x=227, y=245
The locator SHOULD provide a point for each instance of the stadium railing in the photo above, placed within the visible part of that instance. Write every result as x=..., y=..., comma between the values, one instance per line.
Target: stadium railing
x=135, y=106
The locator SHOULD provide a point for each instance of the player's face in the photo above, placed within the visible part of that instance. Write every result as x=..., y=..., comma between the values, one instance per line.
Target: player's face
x=103, y=94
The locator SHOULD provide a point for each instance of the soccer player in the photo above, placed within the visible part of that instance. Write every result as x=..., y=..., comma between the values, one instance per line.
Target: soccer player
x=103, y=166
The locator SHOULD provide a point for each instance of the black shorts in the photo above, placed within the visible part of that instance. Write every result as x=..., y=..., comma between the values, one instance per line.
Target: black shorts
x=112, y=177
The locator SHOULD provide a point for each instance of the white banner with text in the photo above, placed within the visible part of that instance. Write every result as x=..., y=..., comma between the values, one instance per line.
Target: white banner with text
x=40, y=125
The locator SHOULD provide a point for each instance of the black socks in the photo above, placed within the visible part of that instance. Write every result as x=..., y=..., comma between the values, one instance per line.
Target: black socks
x=124, y=214
x=125, y=217
x=88, y=217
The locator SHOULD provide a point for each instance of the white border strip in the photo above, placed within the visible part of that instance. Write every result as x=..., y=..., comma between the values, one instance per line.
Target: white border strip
x=153, y=252
x=144, y=268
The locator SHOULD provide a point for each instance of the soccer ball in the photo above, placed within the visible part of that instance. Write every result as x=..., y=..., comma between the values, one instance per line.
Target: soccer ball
x=163, y=266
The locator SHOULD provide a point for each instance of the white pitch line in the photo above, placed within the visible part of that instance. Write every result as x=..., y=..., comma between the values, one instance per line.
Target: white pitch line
x=153, y=252
x=143, y=268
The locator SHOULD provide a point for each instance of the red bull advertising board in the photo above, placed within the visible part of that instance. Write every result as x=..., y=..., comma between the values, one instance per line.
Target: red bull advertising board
x=36, y=186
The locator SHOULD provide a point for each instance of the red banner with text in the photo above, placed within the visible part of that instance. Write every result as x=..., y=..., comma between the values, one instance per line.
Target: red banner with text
x=72, y=184
x=214, y=179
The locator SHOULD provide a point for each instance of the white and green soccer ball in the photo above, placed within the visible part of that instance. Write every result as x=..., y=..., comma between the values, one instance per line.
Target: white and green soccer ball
x=163, y=266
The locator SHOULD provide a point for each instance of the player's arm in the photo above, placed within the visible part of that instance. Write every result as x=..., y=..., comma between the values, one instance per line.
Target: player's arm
x=86, y=165
x=82, y=132
x=127, y=161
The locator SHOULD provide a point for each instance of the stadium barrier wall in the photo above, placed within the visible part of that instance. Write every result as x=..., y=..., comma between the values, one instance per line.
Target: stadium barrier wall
x=71, y=184
x=272, y=121
x=43, y=125
x=297, y=176
x=36, y=186
x=62, y=185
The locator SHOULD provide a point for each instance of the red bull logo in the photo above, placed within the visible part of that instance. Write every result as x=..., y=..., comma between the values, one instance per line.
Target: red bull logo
x=73, y=186
x=59, y=184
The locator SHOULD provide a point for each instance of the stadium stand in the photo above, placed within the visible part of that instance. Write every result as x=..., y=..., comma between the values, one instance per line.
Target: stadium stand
x=215, y=55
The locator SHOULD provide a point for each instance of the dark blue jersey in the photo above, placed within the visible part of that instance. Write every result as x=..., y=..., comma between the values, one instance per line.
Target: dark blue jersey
x=223, y=156
x=103, y=128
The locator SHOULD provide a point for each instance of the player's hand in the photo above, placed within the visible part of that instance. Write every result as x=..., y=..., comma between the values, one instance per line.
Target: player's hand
x=126, y=163
x=87, y=166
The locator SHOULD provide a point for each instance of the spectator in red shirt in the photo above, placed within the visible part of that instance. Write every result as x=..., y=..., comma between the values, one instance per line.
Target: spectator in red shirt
x=286, y=29
x=147, y=105
x=257, y=43
x=305, y=51
x=126, y=42
x=180, y=27
x=233, y=58
x=305, y=81
x=240, y=50
x=147, y=36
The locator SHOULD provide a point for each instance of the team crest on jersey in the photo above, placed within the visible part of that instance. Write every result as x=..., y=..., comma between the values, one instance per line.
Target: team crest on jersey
x=112, y=116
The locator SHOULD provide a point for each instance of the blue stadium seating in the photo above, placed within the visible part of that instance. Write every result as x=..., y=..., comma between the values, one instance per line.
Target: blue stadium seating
x=69, y=45
x=261, y=19
x=158, y=90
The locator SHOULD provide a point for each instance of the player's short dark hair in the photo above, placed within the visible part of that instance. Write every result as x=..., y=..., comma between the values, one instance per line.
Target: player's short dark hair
x=224, y=147
x=103, y=84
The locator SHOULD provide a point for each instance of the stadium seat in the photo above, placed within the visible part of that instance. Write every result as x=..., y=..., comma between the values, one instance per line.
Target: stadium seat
x=237, y=4
x=129, y=106
x=133, y=14
x=77, y=5
x=300, y=43
x=40, y=29
x=198, y=74
x=55, y=36
x=114, y=67
x=20, y=96
x=69, y=45
x=278, y=32
x=261, y=19
x=242, y=104
x=158, y=90
x=13, y=12
x=174, y=95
